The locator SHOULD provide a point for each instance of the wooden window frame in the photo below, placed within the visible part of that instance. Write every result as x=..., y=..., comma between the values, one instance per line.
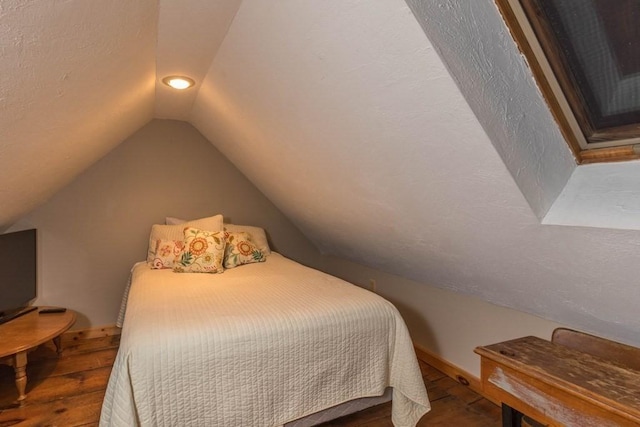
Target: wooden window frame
x=558, y=89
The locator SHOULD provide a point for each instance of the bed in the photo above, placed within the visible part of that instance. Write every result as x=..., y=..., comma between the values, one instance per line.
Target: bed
x=264, y=344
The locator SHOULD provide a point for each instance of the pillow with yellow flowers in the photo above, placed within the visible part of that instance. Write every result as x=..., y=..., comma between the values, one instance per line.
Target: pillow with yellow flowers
x=240, y=250
x=203, y=252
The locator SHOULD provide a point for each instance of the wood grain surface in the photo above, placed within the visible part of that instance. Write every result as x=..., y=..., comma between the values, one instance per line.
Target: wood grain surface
x=32, y=329
x=559, y=385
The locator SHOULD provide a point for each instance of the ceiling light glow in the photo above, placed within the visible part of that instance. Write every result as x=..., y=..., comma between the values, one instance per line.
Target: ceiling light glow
x=178, y=82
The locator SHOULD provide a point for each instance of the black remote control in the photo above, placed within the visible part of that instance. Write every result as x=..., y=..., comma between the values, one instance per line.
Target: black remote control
x=52, y=310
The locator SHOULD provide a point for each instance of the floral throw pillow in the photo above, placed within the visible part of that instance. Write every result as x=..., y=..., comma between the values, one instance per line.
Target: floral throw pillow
x=240, y=250
x=203, y=252
x=257, y=235
x=176, y=232
x=166, y=253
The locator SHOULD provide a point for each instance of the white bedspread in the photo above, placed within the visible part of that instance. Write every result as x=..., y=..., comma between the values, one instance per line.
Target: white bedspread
x=259, y=345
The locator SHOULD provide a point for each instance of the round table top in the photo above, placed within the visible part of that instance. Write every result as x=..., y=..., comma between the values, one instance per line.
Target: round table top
x=32, y=329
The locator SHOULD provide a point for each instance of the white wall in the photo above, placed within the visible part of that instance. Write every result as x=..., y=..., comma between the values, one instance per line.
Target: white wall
x=93, y=231
x=447, y=323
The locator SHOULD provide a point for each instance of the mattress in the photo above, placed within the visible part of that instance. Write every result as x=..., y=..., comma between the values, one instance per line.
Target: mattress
x=259, y=345
x=341, y=410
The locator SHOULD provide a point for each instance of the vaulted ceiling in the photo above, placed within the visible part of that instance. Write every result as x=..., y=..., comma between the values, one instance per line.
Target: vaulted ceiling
x=340, y=111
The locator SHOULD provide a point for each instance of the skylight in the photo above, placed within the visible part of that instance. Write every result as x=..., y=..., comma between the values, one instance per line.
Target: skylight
x=585, y=55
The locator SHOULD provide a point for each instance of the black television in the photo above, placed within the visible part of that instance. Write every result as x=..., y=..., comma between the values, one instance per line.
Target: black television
x=17, y=273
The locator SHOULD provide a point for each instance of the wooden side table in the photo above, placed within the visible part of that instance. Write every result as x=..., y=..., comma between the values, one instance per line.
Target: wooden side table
x=25, y=333
x=558, y=385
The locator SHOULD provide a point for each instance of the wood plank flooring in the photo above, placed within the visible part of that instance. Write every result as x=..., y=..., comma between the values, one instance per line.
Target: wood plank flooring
x=68, y=391
x=452, y=405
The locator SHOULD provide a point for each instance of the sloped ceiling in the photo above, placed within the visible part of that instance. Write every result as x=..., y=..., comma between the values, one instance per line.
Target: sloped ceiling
x=76, y=78
x=340, y=111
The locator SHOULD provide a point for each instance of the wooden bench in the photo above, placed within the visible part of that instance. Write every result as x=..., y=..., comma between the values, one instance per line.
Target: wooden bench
x=576, y=379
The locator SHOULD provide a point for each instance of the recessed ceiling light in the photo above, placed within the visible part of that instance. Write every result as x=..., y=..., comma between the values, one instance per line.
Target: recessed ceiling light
x=178, y=82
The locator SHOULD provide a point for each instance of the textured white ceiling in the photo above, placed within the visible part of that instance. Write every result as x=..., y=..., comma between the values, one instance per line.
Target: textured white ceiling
x=189, y=34
x=340, y=111
x=76, y=78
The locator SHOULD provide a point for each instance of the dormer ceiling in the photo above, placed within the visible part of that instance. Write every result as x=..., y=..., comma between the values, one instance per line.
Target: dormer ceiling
x=341, y=112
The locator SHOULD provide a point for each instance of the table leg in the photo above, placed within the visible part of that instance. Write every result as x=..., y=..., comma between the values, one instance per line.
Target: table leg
x=511, y=417
x=20, y=366
x=58, y=342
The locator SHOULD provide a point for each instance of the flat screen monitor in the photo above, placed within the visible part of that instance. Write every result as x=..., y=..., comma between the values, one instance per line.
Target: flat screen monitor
x=17, y=273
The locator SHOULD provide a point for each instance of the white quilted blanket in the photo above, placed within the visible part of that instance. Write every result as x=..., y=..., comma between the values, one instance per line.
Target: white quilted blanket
x=259, y=345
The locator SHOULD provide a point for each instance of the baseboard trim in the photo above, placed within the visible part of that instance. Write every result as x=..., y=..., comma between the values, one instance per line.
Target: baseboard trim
x=85, y=334
x=451, y=370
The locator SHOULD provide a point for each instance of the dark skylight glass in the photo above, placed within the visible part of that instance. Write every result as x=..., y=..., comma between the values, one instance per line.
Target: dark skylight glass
x=593, y=47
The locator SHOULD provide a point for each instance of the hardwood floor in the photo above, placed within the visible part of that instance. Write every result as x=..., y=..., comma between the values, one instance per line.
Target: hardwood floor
x=452, y=405
x=64, y=391
x=68, y=391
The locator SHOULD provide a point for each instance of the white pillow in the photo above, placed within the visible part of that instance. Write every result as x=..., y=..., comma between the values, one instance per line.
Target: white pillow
x=176, y=232
x=257, y=235
x=173, y=221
